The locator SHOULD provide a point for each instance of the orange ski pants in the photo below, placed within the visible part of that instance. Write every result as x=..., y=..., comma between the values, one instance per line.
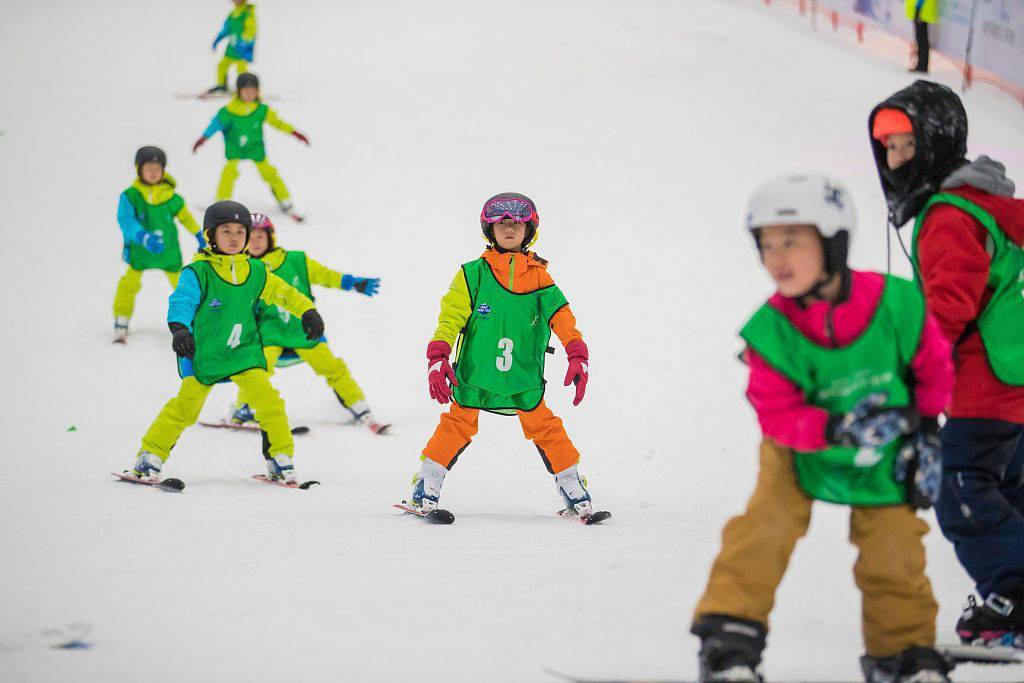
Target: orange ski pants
x=459, y=425
x=897, y=607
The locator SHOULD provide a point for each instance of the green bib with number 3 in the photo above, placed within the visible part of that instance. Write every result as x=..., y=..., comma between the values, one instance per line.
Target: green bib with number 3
x=225, y=328
x=278, y=327
x=500, y=363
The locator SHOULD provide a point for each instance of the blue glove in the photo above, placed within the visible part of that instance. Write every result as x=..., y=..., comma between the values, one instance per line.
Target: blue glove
x=364, y=285
x=201, y=240
x=869, y=425
x=152, y=242
x=919, y=465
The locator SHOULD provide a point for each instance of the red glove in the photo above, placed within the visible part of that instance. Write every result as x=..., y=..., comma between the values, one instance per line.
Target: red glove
x=440, y=371
x=579, y=368
x=199, y=143
x=300, y=137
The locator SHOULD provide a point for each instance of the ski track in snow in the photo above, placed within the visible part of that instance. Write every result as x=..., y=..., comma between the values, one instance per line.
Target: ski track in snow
x=640, y=128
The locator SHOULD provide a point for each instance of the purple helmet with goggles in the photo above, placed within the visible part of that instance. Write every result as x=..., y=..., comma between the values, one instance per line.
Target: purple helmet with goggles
x=511, y=205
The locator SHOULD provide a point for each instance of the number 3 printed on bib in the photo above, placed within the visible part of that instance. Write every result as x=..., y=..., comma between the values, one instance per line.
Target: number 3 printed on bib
x=235, y=338
x=504, y=361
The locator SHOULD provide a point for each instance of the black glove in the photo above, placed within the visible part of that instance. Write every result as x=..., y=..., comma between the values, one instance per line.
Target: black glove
x=919, y=465
x=312, y=324
x=869, y=424
x=184, y=344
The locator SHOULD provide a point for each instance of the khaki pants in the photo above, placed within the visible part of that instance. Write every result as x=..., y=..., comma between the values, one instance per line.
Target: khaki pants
x=898, y=610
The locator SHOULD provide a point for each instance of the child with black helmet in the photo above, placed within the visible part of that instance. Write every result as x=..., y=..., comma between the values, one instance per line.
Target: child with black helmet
x=502, y=308
x=146, y=213
x=216, y=338
x=241, y=121
x=239, y=29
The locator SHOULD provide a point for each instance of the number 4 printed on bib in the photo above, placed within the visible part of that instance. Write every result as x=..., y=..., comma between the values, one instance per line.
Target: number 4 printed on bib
x=235, y=338
x=504, y=361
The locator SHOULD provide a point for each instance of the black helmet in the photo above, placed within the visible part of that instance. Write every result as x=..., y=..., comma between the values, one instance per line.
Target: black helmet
x=223, y=212
x=150, y=153
x=247, y=80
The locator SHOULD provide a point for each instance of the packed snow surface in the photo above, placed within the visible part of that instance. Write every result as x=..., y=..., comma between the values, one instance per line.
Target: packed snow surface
x=640, y=129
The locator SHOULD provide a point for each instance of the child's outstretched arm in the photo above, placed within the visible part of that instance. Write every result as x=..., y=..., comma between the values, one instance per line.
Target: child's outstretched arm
x=276, y=121
x=456, y=307
x=277, y=292
x=131, y=229
x=186, y=218
x=216, y=126
x=320, y=274
x=225, y=31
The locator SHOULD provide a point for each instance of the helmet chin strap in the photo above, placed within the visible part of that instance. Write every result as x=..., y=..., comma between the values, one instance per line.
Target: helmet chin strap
x=815, y=290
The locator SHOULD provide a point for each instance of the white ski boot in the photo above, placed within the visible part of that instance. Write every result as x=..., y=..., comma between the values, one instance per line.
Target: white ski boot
x=147, y=466
x=120, y=330
x=361, y=414
x=280, y=468
x=426, y=485
x=573, y=489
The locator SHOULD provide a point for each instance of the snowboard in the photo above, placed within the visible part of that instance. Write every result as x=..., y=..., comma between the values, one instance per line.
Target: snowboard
x=436, y=516
x=247, y=427
x=267, y=480
x=169, y=484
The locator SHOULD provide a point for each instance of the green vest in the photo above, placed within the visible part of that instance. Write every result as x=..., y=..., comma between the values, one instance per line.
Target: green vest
x=225, y=328
x=1001, y=324
x=278, y=327
x=158, y=219
x=236, y=25
x=500, y=366
x=834, y=379
x=243, y=135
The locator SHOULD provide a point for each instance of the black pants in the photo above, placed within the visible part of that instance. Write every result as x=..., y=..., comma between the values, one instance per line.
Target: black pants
x=981, y=507
x=923, y=46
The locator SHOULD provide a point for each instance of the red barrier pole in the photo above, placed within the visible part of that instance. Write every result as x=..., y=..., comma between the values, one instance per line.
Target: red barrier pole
x=835, y=21
x=860, y=31
x=803, y=7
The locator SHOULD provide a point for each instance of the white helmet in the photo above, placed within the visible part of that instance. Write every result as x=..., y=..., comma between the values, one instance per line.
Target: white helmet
x=807, y=199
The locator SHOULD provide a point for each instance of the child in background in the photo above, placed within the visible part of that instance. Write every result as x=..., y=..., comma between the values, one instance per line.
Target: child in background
x=241, y=121
x=212, y=317
x=503, y=307
x=146, y=213
x=280, y=330
x=848, y=374
x=240, y=31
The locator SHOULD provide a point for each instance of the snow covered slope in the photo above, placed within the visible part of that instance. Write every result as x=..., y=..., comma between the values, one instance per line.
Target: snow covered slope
x=639, y=128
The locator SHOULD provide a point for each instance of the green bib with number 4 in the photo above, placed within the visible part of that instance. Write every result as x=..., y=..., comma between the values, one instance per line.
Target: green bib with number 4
x=225, y=328
x=500, y=363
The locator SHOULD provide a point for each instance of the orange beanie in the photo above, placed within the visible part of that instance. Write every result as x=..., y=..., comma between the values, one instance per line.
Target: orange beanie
x=890, y=122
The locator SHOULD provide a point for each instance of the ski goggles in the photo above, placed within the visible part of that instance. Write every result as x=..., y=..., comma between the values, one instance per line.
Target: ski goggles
x=499, y=209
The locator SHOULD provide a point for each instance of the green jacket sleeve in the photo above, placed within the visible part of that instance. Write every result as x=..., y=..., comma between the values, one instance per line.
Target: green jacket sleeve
x=455, y=310
x=320, y=274
x=277, y=292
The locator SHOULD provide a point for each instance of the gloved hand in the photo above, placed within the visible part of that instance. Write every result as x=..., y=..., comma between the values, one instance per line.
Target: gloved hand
x=439, y=371
x=364, y=285
x=184, y=344
x=300, y=137
x=919, y=465
x=152, y=242
x=579, y=368
x=312, y=324
x=199, y=143
x=869, y=425
x=201, y=240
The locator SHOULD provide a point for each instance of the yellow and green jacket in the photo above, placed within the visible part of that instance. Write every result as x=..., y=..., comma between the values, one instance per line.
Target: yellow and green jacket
x=185, y=299
x=146, y=208
x=240, y=30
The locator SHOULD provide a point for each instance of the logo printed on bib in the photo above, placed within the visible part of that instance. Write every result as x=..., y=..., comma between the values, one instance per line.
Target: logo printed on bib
x=215, y=303
x=484, y=310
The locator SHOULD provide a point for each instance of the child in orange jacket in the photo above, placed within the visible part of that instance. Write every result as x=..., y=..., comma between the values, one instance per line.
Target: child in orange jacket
x=502, y=308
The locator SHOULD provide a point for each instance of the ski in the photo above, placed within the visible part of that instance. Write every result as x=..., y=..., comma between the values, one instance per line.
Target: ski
x=207, y=96
x=169, y=484
x=435, y=516
x=378, y=429
x=595, y=517
x=66, y=636
x=267, y=480
x=954, y=654
x=247, y=427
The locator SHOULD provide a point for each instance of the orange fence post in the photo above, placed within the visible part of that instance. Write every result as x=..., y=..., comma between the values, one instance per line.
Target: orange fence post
x=835, y=21
x=860, y=31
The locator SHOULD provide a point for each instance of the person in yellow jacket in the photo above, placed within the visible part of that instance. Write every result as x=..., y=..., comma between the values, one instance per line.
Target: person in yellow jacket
x=239, y=29
x=922, y=13
x=146, y=212
x=281, y=331
x=241, y=121
x=216, y=337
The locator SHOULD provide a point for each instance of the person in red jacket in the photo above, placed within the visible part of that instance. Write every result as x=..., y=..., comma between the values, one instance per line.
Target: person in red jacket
x=966, y=251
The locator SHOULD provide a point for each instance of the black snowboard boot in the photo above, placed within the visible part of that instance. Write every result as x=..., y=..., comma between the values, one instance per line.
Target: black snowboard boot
x=913, y=665
x=997, y=622
x=730, y=649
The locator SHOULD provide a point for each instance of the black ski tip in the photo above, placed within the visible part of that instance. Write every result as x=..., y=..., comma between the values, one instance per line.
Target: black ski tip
x=598, y=517
x=306, y=484
x=439, y=516
x=172, y=484
x=300, y=430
